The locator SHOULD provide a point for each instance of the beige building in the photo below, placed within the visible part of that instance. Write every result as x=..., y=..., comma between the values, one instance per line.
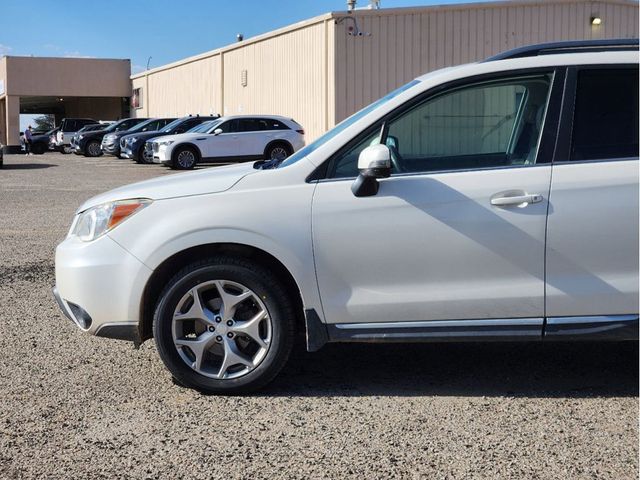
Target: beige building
x=321, y=70
x=65, y=87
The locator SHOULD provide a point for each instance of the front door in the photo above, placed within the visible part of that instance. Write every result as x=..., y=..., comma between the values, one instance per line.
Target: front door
x=458, y=231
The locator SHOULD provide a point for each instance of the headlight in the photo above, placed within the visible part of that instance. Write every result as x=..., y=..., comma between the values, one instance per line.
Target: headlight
x=132, y=140
x=96, y=221
x=166, y=143
x=80, y=137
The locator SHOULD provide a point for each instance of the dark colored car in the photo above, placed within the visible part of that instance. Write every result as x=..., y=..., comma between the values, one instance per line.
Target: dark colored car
x=132, y=145
x=66, y=129
x=111, y=142
x=40, y=141
x=88, y=128
x=88, y=144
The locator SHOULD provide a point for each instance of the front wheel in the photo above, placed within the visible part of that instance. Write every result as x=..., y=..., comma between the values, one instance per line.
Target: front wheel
x=93, y=149
x=224, y=326
x=278, y=151
x=184, y=158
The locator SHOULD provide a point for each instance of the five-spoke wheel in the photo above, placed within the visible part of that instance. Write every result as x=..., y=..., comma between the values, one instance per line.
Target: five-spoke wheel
x=221, y=329
x=224, y=325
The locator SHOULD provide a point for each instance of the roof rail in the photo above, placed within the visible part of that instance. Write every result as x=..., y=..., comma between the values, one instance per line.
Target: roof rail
x=574, y=46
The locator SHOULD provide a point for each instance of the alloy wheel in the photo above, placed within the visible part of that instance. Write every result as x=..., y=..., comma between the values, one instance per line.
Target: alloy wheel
x=186, y=158
x=279, y=153
x=221, y=329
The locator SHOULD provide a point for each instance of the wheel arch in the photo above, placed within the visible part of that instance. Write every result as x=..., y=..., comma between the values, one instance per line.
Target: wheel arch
x=193, y=146
x=277, y=141
x=163, y=273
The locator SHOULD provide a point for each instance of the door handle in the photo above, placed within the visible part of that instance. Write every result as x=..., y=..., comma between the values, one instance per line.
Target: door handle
x=506, y=201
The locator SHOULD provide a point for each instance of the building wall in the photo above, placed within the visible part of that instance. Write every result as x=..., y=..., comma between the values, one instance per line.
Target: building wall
x=409, y=42
x=316, y=73
x=74, y=77
x=288, y=73
x=285, y=75
x=190, y=88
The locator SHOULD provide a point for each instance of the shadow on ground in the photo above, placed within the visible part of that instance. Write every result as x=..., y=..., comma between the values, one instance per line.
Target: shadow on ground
x=26, y=166
x=574, y=370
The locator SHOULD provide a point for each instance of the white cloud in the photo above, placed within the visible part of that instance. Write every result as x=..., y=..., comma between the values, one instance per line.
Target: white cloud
x=76, y=54
x=4, y=49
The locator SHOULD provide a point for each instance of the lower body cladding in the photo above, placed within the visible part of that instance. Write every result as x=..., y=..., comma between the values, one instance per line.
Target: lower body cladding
x=591, y=328
x=99, y=288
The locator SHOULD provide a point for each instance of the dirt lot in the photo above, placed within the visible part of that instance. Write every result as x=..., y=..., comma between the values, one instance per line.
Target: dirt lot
x=74, y=406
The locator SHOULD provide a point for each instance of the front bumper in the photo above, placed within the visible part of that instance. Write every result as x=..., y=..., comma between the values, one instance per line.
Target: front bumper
x=99, y=286
x=128, y=151
x=162, y=155
x=111, y=148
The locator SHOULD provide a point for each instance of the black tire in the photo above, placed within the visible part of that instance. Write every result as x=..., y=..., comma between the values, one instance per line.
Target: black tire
x=139, y=156
x=274, y=297
x=181, y=160
x=277, y=147
x=92, y=148
x=38, y=148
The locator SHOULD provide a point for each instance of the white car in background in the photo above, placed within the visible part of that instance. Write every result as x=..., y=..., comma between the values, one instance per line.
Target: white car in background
x=231, y=138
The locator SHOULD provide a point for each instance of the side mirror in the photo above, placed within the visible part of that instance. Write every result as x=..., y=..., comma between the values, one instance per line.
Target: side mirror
x=374, y=162
x=217, y=131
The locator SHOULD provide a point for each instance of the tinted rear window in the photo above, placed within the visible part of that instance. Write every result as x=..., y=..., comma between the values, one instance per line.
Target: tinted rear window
x=605, y=123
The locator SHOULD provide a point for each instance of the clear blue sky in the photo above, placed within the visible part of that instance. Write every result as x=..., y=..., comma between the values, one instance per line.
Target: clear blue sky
x=166, y=30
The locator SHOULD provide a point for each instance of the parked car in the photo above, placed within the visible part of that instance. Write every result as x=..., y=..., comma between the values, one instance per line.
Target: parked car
x=89, y=143
x=134, y=146
x=88, y=128
x=111, y=142
x=67, y=128
x=486, y=202
x=234, y=138
x=40, y=141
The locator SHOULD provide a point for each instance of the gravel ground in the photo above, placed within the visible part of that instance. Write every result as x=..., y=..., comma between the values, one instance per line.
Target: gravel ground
x=74, y=406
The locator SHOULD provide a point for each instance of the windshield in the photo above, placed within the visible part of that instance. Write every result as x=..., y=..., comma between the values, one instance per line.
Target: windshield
x=172, y=125
x=344, y=125
x=141, y=125
x=112, y=127
x=205, y=127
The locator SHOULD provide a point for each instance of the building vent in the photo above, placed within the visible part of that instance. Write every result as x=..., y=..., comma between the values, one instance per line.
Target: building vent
x=243, y=78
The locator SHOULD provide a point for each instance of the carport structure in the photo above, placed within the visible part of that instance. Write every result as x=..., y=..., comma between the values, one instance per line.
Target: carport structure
x=64, y=87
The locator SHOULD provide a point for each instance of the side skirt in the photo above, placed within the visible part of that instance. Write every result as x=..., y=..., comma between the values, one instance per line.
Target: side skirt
x=596, y=328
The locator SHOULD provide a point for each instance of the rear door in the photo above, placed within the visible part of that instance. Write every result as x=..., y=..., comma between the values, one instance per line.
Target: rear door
x=592, y=237
x=252, y=138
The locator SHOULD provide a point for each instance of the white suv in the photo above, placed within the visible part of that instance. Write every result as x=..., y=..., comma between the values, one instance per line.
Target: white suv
x=492, y=201
x=230, y=139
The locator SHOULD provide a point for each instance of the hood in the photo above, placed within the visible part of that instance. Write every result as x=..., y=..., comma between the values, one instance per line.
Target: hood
x=92, y=133
x=181, y=137
x=144, y=135
x=200, y=182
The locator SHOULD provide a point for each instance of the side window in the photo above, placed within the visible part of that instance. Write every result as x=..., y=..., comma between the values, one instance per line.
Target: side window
x=230, y=126
x=249, y=125
x=70, y=126
x=488, y=124
x=605, y=121
x=273, y=124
